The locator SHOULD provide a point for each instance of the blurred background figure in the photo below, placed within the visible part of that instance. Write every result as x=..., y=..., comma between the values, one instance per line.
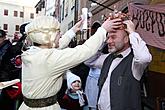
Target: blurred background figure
x=11, y=65
x=4, y=44
x=91, y=87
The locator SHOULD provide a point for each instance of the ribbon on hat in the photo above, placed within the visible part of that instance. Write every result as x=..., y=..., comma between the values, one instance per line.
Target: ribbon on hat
x=43, y=30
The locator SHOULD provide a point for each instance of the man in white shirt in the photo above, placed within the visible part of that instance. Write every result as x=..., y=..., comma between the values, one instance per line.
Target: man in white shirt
x=122, y=69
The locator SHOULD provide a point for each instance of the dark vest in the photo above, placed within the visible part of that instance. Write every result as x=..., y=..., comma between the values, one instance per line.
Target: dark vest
x=124, y=88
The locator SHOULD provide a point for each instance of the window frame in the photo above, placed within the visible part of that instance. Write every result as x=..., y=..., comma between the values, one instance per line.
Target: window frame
x=6, y=12
x=5, y=26
x=21, y=14
x=31, y=15
x=16, y=27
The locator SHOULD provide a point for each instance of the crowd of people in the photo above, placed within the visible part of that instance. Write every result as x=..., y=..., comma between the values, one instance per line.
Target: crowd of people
x=116, y=57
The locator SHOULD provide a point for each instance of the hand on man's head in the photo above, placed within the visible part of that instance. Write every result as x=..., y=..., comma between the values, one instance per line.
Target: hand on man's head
x=130, y=27
x=110, y=25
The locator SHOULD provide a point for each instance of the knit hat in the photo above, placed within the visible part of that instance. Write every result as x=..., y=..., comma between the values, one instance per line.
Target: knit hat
x=71, y=78
x=43, y=30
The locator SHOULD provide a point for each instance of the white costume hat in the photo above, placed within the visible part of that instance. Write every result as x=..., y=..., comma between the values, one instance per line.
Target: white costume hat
x=43, y=29
x=71, y=78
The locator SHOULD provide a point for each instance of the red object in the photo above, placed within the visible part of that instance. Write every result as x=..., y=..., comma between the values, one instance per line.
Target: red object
x=14, y=92
x=18, y=61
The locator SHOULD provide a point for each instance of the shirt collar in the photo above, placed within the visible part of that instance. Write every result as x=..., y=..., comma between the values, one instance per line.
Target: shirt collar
x=126, y=52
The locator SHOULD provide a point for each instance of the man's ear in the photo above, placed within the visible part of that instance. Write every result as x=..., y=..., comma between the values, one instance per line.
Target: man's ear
x=126, y=38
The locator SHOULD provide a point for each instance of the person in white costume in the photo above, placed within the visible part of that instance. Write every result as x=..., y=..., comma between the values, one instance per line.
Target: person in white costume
x=44, y=64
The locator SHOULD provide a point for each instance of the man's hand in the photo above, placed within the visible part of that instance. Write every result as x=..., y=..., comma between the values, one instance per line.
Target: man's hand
x=77, y=26
x=130, y=27
x=111, y=25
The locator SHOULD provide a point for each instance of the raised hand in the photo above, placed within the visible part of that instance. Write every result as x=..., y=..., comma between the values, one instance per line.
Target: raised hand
x=110, y=25
x=130, y=27
x=77, y=26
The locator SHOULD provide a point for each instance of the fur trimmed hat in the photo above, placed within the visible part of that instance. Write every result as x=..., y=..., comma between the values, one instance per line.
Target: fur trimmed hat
x=43, y=29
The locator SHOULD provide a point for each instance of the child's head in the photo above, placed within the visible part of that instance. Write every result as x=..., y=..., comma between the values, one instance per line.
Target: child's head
x=73, y=82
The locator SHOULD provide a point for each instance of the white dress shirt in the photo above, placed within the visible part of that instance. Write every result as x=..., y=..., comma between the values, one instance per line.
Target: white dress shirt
x=141, y=59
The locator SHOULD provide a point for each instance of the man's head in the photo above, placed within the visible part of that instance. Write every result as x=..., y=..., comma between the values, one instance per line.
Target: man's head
x=117, y=41
x=2, y=36
x=44, y=30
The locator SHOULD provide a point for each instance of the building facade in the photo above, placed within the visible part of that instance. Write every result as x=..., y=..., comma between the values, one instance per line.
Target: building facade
x=70, y=13
x=67, y=13
x=104, y=7
x=12, y=16
x=50, y=7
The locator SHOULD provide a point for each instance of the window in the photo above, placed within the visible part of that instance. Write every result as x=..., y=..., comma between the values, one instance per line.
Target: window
x=43, y=4
x=72, y=4
x=15, y=13
x=66, y=8
x=60, y=13
x=37, y=10
x=5, y=26
x=70, y=25
x=32, y=15
x=16, y=27
x=63, y=5
x=6, y=12
x=21, y=14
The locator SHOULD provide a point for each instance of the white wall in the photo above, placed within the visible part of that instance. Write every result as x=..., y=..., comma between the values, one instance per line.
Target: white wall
x=69, y=18
x=11, y=20
x=50, y=7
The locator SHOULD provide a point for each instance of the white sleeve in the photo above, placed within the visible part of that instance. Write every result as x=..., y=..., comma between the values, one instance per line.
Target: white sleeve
x=96, y=61
x=142, y=56
x=66, y=38
x=69, y=57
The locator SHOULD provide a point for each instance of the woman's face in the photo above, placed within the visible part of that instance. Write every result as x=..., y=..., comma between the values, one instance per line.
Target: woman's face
x=76, y=85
